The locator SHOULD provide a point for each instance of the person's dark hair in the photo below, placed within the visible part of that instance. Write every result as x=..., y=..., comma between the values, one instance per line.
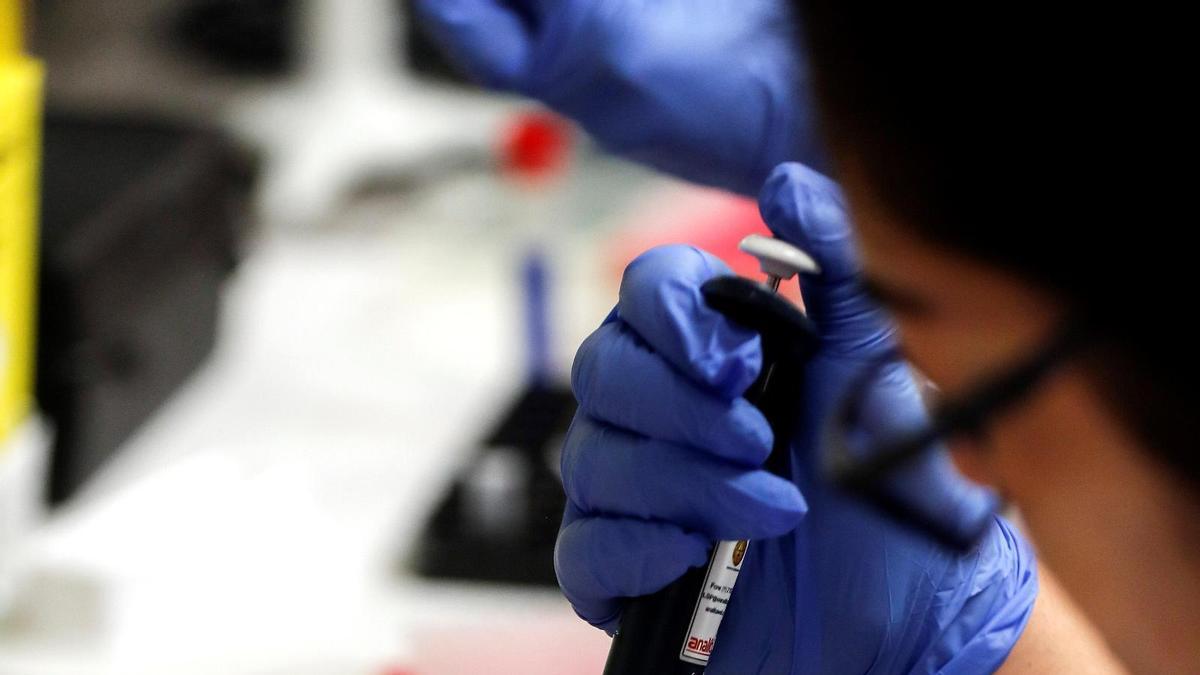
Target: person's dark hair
x=1036, y=139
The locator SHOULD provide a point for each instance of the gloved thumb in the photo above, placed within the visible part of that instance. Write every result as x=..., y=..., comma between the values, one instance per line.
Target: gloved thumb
x=890, y=406
x=489, y=39
x=808, y=209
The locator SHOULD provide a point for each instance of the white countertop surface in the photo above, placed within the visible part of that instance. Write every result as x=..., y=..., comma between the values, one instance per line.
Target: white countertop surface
x=256, y=523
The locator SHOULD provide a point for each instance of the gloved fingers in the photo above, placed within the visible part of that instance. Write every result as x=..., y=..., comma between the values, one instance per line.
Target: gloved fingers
x=599, y=561
x=890, y=404
x=618, y=379
x=892, y=407
x=489, y=39
x=661, y=300
x=614, y=472
x=808, y=209
x=932, y=487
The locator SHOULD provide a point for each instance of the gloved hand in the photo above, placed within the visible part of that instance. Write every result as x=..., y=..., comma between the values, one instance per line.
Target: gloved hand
x=713, y=91
x=663, y=459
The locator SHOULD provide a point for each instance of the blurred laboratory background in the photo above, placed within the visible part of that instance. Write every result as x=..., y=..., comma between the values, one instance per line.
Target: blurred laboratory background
x=287, y=311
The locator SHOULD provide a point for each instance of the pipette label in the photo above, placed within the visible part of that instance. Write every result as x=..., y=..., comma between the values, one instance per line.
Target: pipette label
x=723, y=570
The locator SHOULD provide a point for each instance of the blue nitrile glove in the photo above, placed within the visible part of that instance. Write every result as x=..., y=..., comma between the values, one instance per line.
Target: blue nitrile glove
x=710, y=90
x=662, y=457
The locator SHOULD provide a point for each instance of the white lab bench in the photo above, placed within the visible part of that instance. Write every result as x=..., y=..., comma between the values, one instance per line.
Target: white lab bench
x=256, y=525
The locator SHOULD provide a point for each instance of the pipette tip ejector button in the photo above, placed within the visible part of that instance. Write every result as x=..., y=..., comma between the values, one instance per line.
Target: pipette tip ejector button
x=779, y=260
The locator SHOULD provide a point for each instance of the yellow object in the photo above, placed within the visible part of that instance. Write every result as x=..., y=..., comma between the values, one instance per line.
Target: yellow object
x=20, y=148
x=11, y=28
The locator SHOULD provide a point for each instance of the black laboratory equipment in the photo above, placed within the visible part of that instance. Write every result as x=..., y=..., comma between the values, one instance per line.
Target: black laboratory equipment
x=262, y=37
x=499, y=518
x=422, y=53
x=255, y=37
x=140, y=227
